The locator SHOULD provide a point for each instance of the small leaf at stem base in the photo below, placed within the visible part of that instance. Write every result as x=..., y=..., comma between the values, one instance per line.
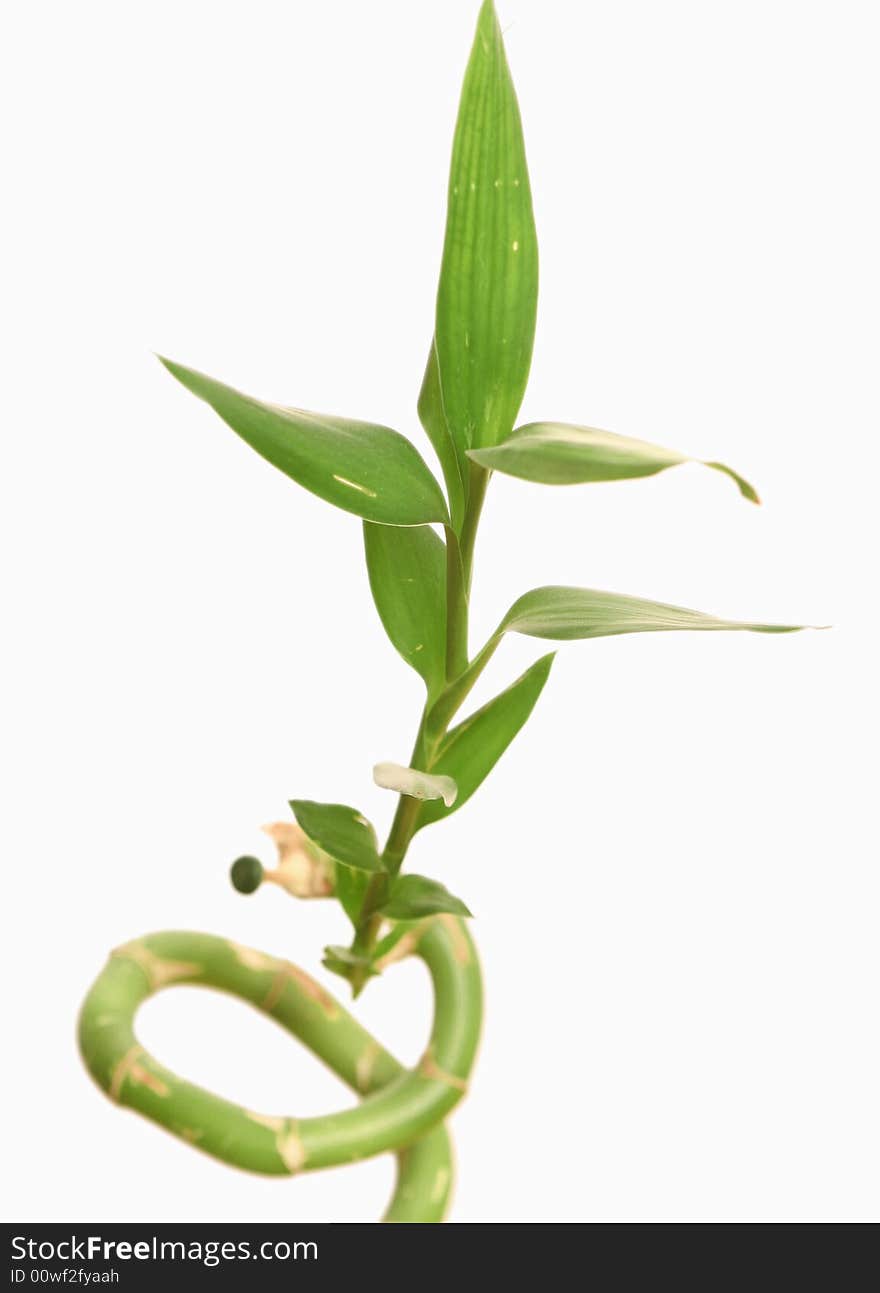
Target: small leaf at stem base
x=414, y=896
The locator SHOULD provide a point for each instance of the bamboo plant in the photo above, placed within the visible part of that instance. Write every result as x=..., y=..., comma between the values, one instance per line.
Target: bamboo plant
x=419, y=542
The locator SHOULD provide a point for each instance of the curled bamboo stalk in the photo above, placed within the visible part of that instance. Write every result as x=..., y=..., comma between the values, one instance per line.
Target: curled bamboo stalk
x=401, y=1110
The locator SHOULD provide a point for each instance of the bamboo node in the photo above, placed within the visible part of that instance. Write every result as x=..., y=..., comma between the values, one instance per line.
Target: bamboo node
x=429, y=1068
x=159, y=971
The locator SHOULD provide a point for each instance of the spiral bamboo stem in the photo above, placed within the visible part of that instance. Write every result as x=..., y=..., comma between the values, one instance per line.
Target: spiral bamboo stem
x=400, y=1110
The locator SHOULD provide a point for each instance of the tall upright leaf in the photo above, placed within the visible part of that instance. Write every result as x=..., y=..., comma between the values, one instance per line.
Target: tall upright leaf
x=472, y=749
x=487, y=297
x=407, y=570
x=363, y=468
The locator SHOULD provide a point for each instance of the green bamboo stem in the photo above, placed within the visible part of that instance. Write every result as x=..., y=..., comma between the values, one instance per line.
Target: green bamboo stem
x=434, y=721
x=401, y=1110
x=459, y=570
x=456, y=607
x=424, y=1179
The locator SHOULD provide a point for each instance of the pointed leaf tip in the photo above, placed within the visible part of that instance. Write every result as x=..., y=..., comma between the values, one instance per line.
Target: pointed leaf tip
x=566, y=614
x=175, y=369
x=748, y=491
x=488, y=14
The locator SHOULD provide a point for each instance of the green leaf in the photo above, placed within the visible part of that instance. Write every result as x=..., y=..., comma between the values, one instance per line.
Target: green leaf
x=553, y=453
x=345, y=954
x=341, y=831
x=567, y=613
x=563, y=614
x=351, y=889
x=387, y=944
x=472, y=749
x=432, y=416
x=413, y=782
x=344, y=962
x=414, y=896
x=407, y=570
x=488, y=292
x=351, y=968
x=366, y=469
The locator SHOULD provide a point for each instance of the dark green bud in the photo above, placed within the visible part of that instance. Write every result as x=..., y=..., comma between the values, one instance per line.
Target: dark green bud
x=246, y=874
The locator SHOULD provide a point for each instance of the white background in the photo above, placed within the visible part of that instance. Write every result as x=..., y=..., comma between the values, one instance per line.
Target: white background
x=674, y=869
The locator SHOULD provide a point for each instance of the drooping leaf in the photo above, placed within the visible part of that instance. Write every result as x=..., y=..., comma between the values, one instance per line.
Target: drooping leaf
x=414, y=896
x=363, y=468
x=487, y=297
x=341, y=831
x=553, y=453
x=472, y=749
x=563, y=614
x=432, y=416
x=407, y=570
x=351, y=888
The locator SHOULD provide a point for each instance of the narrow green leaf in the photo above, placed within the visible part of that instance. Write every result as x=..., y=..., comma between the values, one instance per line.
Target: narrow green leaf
x=553, y=453
x=407, y=570
x=341, y=831
x=414, y=896
x=363, y=468
x=487, y=297
x=472, y=749
x=453, y=696
x=432, y=416
x=567, y=613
